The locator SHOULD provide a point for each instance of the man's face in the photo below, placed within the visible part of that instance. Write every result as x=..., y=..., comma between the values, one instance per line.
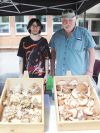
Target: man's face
x=68, y=24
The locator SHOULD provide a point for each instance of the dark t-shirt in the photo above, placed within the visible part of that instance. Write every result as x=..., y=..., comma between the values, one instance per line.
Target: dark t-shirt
x=34, y=54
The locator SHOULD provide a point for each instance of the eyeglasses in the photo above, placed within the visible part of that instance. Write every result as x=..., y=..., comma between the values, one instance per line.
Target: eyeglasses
x=35, y=26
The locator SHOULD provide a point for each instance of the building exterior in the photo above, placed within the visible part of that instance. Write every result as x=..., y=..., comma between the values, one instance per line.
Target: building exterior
x=92, y=23
x=13, y=28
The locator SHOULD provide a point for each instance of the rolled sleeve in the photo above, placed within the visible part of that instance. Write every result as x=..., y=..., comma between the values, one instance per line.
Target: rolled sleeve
x=90, y=43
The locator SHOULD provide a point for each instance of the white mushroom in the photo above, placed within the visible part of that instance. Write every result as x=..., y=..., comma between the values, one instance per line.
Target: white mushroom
x=90, y=102
x=74, y=93
x=74, y=112
x=36, y=98
x=86, y=84
x=88, y=111
x=59, y=93
x=83, y=100
x=73, y=103
x=15, y=99
x=66, y=96
x=66, y=102
x=82, y=88
x=80, y=115
x=61, y=109
x=73, y=119
x=60, y=102
x=15, y=120
x=61, y=82
x=73, y=82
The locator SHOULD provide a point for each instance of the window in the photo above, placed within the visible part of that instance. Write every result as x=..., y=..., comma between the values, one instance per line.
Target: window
x=4, y=25
x=22, y=21
x=92, y=24
x=97, y=40
x=83, y=24
x=56, y=27
x=56, y=23
x=95, y=26
x=43, y=20
x=21, y=24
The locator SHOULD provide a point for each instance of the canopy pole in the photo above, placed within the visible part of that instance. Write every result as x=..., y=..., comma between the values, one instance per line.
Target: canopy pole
x=85, y=19
x=81, y=4
x=15, y=6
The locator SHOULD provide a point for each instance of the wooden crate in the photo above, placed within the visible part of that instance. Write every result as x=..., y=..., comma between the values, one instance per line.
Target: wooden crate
x=81, y=124
x=34, y=127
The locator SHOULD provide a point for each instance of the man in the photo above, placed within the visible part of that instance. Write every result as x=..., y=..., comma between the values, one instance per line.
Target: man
x=72, y=48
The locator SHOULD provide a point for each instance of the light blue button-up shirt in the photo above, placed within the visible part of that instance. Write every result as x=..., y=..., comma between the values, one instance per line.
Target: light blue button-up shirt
x=72, y=52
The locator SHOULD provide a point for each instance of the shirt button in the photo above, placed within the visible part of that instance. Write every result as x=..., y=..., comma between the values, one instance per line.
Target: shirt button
x=63, y=69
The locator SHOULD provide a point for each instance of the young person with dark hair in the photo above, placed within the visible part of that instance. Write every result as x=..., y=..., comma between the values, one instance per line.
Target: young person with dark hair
x=34, y=52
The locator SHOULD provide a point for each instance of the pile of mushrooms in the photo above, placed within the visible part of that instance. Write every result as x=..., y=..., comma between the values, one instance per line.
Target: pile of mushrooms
x=23, y=104
x=75, y=101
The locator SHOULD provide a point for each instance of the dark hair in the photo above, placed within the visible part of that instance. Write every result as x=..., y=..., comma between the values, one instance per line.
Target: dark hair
x=31, y=22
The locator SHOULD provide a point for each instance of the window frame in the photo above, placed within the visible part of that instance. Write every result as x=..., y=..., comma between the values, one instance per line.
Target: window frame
x=3, y=23
x=44, y=33
x=27, y=33
x=90, y=27
x=20, y=33
x=45, y=23
x=55, y=23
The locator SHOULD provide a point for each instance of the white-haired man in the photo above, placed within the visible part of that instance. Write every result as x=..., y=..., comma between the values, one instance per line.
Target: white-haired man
x=72, y=48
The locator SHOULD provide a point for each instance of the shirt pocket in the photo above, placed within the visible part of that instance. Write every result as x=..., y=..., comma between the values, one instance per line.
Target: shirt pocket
x=78, y=45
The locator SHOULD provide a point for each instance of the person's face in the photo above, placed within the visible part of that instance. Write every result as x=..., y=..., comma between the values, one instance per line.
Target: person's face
x=68, y=24
x=35, y=28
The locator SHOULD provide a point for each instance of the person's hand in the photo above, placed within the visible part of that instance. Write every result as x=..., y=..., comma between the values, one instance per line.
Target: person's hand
x=52, y=73
x=20, y=75
x=89, y=73
x=45, y=78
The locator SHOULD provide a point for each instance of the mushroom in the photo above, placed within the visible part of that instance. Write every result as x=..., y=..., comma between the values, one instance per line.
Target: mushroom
x=73, y=82
x=75, y=94
x=88, y=111
x=82, y=88
x=90, y=102
x=61, y=82
x=83, y=100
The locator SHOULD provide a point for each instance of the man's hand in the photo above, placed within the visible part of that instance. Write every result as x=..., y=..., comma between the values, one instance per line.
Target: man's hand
x=89, y=73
